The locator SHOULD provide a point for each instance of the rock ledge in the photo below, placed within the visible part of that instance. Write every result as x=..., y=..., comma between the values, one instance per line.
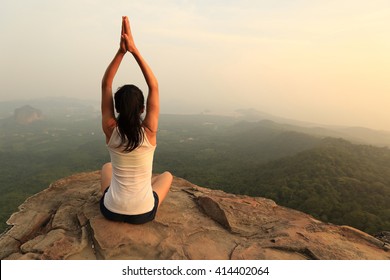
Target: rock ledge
x=64, y=222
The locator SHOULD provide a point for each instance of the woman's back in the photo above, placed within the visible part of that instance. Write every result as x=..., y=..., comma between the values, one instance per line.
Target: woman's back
x=130, y=189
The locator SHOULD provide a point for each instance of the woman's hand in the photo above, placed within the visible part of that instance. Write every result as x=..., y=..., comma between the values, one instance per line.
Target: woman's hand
x=127, y=38
x=122, y=44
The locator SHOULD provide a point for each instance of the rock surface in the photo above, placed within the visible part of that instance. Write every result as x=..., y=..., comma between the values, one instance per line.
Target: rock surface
x=64, y=222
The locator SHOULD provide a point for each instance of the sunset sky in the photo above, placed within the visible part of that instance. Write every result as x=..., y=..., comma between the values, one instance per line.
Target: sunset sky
x=320, y=61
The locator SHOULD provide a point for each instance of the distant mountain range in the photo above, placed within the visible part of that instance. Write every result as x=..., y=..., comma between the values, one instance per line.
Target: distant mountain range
x=52, y=106
x=360, y=135
x=58, y=107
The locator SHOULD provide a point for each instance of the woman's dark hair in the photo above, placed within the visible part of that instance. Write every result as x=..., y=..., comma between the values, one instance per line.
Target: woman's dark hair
x=129, y=104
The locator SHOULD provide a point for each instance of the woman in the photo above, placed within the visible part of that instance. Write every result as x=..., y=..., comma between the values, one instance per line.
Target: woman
x=130, y=194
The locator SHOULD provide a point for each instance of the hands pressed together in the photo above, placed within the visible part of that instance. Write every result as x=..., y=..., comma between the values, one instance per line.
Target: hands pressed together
x=127, y=42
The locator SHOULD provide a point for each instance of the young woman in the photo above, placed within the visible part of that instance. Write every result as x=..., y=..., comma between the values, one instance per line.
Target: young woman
x=130, y=194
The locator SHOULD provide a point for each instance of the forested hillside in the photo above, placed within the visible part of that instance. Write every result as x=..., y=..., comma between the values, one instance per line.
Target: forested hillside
x=330, y=178
x=32, y=156
x=337, y=182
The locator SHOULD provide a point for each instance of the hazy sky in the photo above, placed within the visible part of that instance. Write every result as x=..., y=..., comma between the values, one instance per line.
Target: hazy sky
x=326, y=61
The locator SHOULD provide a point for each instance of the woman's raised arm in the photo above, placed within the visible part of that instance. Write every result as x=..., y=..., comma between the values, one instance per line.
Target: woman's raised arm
x=107, y=104
x=152, y=101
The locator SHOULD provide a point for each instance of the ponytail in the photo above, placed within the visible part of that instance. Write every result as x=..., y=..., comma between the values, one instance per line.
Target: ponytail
x=129, y=104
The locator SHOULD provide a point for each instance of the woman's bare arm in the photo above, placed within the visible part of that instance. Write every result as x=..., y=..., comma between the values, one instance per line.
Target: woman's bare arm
x=152, y=102
x=107, y=104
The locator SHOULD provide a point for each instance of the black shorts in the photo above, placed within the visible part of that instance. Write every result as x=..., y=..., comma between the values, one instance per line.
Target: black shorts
x=131, y=219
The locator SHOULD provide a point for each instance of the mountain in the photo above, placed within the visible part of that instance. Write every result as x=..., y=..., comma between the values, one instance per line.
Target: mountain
x=64, y=222
x=27, y=114
x=53, y=107
x=358, y=135
x=253, y=115
x=60, y=108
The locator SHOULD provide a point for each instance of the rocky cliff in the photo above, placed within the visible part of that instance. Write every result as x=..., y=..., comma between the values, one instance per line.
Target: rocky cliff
x=64, y=222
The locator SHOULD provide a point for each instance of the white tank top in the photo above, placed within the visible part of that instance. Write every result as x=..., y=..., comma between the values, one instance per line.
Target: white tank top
x=130, y=191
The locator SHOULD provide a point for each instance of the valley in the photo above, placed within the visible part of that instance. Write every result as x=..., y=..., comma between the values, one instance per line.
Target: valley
x=336, y=180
